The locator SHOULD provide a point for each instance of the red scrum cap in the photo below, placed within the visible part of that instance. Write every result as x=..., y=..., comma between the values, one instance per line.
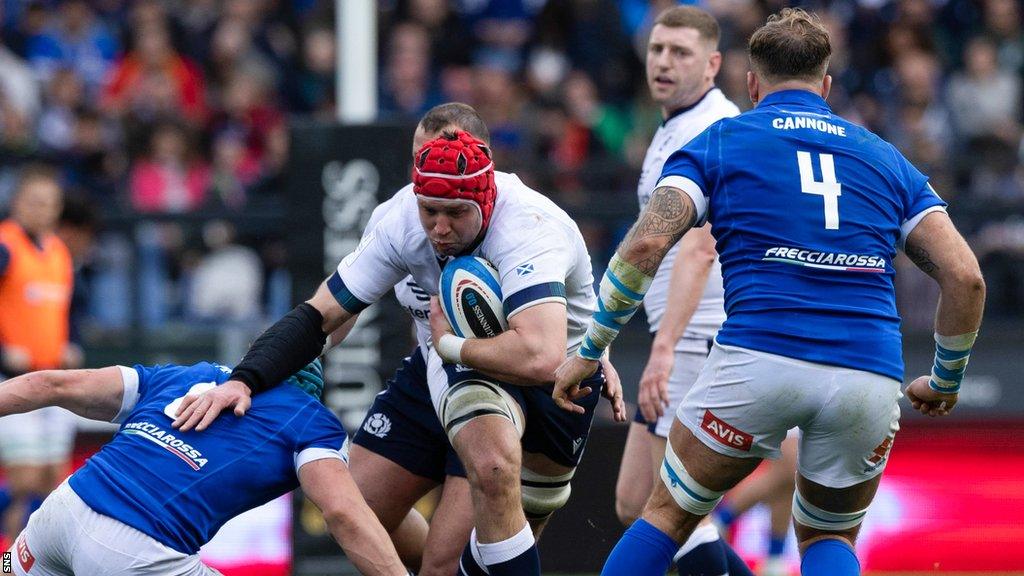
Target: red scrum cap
x=456, y=166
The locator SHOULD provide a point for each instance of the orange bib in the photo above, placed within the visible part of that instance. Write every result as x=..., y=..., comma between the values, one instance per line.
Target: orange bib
x=35, y=296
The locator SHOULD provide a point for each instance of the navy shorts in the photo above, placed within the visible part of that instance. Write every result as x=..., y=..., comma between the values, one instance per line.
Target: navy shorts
x=402, y=426
x=558, y=434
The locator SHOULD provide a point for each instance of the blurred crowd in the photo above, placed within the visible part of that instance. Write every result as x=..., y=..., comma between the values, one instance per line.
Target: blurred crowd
x=155, y=107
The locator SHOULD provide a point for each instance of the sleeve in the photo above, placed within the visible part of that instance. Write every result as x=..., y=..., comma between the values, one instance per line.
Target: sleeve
x=919, y=199
x=136, y=382
x=687, y=169
x=371, y=270
x=322, y=437
x=534, y=271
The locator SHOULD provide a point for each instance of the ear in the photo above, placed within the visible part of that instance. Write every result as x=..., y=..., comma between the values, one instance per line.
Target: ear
x=753, y=89
x=714, y=64
x=826, y=86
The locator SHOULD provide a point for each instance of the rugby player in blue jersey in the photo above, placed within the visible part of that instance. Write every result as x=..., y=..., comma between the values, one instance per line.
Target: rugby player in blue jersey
x=808, y=212
x=148, y=500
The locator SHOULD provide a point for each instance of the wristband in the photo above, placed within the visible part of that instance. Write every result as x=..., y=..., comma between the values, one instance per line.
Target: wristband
x=951, y=356
x=622, y=291
x=449, y=348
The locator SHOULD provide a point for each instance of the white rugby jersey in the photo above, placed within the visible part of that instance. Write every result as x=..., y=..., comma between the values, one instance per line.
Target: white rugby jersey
x=674, y=133
x=536, y=247
x=416, y=302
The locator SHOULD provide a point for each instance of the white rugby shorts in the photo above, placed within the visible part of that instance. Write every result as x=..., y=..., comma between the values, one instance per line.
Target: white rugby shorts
x=684, y=373
x=66, y=537
x=744, y=401
x=44, y=436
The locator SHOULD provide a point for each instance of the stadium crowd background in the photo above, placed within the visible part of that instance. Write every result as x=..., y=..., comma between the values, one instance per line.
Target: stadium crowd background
x=169, y=120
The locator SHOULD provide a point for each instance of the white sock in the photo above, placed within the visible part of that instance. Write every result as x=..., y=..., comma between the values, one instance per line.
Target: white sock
x=498, y=552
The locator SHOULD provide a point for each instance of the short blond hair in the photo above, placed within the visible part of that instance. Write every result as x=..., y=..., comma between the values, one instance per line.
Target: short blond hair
x=691, y=17
x=792, y=45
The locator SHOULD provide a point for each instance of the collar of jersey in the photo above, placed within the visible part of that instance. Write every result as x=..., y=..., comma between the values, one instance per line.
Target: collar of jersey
x=795, y=97
x=686, y=109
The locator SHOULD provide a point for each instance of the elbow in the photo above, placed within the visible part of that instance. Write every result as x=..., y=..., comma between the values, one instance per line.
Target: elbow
x=969, y=280
x=341, y=520
x=541, y=368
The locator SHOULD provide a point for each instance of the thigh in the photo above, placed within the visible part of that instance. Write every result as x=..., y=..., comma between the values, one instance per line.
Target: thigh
x=558, y=434
x=744, y=401
x=401, y=425
x=848, y=442
x=636, y=474
x=450, y=527
x=44, y=546
x=389, y=489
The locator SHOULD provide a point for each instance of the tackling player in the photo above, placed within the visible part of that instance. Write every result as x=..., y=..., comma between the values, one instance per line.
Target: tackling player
x=808, y=212
x=148, y=500
x=682, y=62
x=500, y=418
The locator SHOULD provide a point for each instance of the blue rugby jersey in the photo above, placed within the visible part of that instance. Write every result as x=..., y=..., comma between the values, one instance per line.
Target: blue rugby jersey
x=808, y=211
x=181, y=487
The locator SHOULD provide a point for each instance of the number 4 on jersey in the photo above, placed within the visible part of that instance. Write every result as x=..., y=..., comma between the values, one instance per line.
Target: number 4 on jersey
x=828, y=188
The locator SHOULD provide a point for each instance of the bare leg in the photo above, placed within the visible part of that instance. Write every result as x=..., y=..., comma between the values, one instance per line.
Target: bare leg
x=489, y=449
x=391, y=491
x=450, y=527
x=636, y=475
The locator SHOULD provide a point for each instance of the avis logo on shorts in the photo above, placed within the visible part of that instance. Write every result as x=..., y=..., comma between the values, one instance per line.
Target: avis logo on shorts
x=378, y=424
x=724, y=433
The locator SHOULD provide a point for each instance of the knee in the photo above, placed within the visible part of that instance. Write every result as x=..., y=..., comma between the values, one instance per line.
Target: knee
x=812, y=523
x=494, y=473
x=626, y=508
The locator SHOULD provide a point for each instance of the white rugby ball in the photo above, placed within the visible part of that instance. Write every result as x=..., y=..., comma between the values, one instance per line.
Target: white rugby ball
x=471, y=298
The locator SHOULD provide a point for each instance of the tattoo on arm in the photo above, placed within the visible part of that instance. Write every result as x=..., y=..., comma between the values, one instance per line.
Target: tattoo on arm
x=668, y=215
x=921, y=258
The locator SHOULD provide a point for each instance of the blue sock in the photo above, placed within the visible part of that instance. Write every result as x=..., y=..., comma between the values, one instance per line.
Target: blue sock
x=708, y=559
x=737, y=567
x=776, y=545
x=643, y=551
x=702, y=554
x=468, y=566
x=829, y=557
x=516, y=556
x=724, y=515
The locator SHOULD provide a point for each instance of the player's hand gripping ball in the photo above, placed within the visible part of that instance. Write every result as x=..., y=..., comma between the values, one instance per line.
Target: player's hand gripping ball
x=470, y=298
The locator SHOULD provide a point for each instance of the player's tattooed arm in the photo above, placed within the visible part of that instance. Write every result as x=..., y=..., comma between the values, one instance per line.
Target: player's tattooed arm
x=919, y=256
x=668, y=215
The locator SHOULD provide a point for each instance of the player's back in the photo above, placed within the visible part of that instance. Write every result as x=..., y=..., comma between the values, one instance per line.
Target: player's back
x=181, y=487
x=808, y=210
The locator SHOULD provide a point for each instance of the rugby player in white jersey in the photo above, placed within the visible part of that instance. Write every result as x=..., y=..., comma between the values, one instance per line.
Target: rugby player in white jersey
x=684, y=305
x=501, y=424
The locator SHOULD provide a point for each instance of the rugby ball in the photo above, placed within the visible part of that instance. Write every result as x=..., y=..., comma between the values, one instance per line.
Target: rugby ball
x=471, y=298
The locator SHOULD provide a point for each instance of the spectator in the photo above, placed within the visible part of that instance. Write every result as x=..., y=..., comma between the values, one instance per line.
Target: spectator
x=172, y=177
x=154, y=80
x=18, y=86
x=984, y=99
x=407, y=83
x=312, y=89
x=75, y=39
x=227, y=283
x=36, y=280
x=64, y=96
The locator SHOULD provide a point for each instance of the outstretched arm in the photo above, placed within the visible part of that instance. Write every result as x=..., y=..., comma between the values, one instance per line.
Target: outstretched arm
x=328, y=484
x=690, y=274
x=284, y=348
x=94, y=394
x=668, y=215
x=938, y=250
